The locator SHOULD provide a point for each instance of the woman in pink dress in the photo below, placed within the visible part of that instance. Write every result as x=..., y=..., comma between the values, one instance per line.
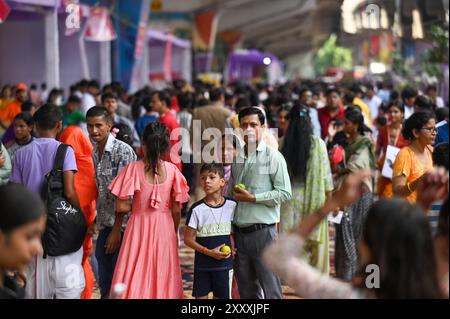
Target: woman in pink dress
x=148, y=262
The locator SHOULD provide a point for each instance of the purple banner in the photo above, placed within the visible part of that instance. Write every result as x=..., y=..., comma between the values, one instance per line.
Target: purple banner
x=47, y=3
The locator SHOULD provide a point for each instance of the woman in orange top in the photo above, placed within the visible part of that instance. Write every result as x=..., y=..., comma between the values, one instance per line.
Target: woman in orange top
x=391, y=134
x=6, y=96
x=414, y=160
x=8, y=113
x=87, y=193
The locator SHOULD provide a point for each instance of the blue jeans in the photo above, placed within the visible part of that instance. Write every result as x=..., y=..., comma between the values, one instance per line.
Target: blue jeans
x=106, y=263
x=94, y=262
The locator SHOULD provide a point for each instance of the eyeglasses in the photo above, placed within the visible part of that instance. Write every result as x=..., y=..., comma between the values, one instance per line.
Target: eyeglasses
x=430, y=129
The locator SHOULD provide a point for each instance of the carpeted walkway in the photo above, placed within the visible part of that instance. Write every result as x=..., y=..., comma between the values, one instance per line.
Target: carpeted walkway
x=187, y=267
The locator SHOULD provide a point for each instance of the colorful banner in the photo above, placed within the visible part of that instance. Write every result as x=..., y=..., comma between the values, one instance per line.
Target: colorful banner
x=141, y=41
x=231, y=38
x=205, y=30
x=4, y=10
x=379, y=48
x=374, y=45
x=99, y=27
x=386, y=47
x=127, y=17
x=168, y=59
x=74, y=16
x=47, y=3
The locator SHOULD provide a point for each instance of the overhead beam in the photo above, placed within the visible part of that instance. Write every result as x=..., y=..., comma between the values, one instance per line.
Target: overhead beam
x=224, y=5
x=255, y=15
x=268, y=39
x=303, y=7
x=293, y=41
x=269, y=30
x=286, y=52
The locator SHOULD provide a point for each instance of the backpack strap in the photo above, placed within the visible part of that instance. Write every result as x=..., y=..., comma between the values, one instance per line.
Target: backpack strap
x=58, y=164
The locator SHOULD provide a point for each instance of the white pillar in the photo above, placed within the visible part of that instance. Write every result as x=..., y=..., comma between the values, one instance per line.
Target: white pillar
x=105, y=62
x=52, y=75
x=83, y=53
x=187, y=64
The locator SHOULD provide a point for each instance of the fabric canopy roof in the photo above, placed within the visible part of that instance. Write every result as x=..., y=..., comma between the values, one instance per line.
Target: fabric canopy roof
x=160, y=38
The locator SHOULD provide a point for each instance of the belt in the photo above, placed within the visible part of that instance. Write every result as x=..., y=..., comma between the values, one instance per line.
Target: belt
x=252, y=228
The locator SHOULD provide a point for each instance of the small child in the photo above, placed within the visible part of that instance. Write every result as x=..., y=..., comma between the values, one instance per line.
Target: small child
x=123, y=133
x=230, y=148
x=208, y=232
x=23, y=129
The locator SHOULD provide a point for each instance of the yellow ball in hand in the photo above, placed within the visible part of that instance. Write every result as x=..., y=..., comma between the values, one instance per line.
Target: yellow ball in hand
x=225, y=249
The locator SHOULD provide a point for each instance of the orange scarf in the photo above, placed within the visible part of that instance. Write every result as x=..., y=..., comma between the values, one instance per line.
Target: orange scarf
x=86, y=188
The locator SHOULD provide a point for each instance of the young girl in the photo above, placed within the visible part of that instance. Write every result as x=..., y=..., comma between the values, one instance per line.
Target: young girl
x=23, y=127
x=391, y=134
x=22, y=223
x=230, y=149
x=396, y=238
x=148, y=262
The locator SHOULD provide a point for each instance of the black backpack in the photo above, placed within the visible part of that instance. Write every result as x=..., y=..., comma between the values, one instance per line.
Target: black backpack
x=66, y=225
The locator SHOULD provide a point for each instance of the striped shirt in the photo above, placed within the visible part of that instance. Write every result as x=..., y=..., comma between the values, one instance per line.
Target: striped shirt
x=185, y=120
x=433, y=216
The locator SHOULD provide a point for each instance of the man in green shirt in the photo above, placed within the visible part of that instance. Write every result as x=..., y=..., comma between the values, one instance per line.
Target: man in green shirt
x=71, y=112
x=263, y=172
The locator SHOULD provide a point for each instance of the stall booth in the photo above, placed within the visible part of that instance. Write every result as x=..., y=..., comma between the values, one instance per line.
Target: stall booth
x=253, y=65
x=169, y=58
x=36, y=47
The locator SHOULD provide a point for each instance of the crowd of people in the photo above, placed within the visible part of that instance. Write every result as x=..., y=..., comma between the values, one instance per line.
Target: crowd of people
x=258, y=193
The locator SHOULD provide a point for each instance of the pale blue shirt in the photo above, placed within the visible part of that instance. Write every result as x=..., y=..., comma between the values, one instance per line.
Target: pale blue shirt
x=265, y=175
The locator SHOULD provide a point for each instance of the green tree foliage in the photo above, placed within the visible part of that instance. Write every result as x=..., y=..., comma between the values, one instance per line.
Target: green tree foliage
x=438, y=54
x=332, y=55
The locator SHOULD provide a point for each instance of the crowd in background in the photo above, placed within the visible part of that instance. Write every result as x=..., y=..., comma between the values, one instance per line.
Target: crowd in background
x=372, y=154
